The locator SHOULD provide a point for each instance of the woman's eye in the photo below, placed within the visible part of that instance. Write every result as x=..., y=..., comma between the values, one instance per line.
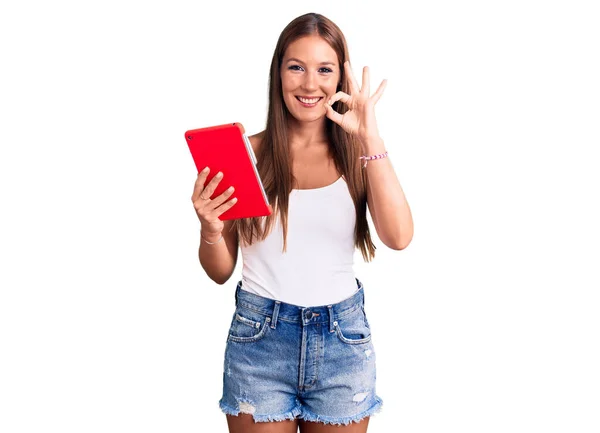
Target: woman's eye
x=299, y=68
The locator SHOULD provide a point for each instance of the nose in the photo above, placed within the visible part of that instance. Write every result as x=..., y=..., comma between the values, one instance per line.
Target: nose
x=310, y=82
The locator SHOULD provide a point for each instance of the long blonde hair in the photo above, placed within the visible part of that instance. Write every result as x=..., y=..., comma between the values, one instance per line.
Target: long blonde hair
x=273, y=156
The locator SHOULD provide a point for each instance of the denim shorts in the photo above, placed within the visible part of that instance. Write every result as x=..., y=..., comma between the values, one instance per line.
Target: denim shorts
x=284, y=361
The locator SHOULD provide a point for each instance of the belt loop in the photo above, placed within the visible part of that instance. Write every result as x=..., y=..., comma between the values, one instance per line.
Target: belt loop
x=330, y=308
x=275, y=314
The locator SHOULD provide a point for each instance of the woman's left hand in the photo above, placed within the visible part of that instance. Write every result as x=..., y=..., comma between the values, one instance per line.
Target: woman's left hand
x=359, y=120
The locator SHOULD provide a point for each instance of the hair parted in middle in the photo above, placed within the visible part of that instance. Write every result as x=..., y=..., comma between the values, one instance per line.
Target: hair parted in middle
x=274, y=162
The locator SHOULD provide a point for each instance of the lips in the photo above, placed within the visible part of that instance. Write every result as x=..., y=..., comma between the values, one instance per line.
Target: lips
x=309, y=102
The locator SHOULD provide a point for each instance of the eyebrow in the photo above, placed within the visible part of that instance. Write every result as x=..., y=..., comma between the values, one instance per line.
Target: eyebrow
x=293, y=59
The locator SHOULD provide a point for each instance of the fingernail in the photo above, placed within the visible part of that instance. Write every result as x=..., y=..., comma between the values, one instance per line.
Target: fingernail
x=204, y=170
x=230, y=188
x=220, y=174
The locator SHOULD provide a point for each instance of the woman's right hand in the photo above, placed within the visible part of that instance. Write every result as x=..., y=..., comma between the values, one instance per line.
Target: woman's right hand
x=207, y=209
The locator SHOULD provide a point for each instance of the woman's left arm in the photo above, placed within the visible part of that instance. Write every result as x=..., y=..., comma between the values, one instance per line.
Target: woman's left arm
x=388, y=206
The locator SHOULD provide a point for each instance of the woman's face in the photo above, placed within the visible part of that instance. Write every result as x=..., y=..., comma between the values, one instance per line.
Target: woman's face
x=309, y=76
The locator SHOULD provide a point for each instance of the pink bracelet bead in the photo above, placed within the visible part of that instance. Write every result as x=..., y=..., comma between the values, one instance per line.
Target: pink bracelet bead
x=369, y=158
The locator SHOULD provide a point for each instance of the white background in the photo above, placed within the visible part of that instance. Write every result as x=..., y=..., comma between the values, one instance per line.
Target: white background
x=488, y=321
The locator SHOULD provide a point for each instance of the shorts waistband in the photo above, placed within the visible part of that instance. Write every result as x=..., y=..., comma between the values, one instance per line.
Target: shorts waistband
x=295, y=313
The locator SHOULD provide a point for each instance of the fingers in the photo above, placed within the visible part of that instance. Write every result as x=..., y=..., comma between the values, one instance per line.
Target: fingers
x=339, y=96
x=211, y=209
x=210, y=188
x=199, y=185
x=379, y=91
x=366, y=86
x=225, y=207
x=218, y=201
x=350, y=76
x=205, y=191
x=330, y=112
x=333, y=115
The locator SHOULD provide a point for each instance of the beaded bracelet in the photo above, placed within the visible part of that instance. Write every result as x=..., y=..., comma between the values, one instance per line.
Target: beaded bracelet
x=212, y=243
x=369, y=158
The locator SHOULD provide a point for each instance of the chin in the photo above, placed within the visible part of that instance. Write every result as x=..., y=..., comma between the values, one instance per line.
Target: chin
x=307, y=119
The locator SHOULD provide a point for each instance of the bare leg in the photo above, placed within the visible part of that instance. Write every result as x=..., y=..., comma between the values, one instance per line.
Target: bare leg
x=244, y=423
x=317, y=427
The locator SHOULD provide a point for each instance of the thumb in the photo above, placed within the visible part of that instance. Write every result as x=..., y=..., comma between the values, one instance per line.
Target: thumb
x=332, y=114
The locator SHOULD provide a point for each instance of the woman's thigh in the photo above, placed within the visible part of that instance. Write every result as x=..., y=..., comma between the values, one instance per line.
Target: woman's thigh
x=244, y=423
x=316, y=427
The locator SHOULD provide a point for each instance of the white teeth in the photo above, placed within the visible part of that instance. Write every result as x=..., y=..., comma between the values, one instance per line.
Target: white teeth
x=308, y=101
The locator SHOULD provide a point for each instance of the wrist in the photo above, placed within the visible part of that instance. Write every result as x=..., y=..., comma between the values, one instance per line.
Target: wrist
x=372, y=145
x=210, y=237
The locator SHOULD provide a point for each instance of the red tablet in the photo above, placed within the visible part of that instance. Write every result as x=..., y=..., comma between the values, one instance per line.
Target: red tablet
x=226, y=148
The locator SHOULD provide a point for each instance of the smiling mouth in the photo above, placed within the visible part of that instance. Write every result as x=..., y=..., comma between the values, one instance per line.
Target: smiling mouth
x=309, y=102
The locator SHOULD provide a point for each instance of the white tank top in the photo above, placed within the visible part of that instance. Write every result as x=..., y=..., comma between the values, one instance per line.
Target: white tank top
x=317, y=268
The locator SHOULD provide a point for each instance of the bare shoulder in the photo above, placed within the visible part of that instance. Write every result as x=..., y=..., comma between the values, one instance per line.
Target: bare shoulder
x=256, y=140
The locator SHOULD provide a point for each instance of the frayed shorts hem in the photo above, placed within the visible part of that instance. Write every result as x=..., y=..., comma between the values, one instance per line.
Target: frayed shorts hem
x=306, y=415
x=292, y=414
x=309, y=416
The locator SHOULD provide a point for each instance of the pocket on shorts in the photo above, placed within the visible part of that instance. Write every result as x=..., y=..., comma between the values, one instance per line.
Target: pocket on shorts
x=248, y=326
x=353, y=328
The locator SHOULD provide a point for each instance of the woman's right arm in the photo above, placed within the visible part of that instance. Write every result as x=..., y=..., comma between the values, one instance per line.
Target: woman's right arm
x=219, y=260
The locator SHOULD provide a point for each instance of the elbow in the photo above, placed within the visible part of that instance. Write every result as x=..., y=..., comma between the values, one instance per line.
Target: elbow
x=402, y=246
x=405, y=237
x=218, y=273
x=398, y=246
x=396, y=237
x=221, y=279
x=401, y=242
x=218, y=279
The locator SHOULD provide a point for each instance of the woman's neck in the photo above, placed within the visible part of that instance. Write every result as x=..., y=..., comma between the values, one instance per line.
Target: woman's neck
x=307, y=134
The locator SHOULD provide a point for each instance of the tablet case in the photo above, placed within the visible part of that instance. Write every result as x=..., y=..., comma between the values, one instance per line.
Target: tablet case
x=226, y=148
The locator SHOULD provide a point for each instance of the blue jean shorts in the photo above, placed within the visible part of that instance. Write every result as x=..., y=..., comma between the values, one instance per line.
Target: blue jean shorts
x=283, y=361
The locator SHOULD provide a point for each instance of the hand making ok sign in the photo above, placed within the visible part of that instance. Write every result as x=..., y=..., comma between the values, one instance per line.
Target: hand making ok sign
x=359, y=120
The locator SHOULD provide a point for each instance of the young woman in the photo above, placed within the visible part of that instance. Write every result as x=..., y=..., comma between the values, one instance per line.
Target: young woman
x=299, y=350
